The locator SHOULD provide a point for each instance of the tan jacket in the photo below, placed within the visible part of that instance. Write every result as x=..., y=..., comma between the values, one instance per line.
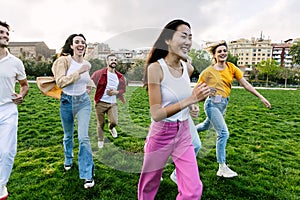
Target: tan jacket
x=59, y=70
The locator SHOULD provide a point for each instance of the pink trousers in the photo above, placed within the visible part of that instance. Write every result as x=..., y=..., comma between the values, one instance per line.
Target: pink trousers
x=170, y=139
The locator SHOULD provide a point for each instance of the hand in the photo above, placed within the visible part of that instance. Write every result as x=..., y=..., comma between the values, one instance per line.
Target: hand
x=89, y=89
x=17, y=98
x=112, y=92
x=266, y=102
x=194, y=110
x=200, y=91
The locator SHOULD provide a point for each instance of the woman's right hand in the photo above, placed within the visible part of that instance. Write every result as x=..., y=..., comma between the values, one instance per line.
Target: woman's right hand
x=200, y=92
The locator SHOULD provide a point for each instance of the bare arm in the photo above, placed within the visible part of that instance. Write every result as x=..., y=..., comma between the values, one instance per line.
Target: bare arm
x=252, y=90
x=24, y=88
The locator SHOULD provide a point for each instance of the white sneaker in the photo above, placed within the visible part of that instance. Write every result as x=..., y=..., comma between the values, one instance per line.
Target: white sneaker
x=88, y=183
x=173, y=177
x=113, y=132
x=3, y=192
x=100, y=144
x=67, y=167
x=226, y=172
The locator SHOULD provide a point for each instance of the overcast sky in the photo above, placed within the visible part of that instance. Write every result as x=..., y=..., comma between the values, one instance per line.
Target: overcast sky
x=137, y=23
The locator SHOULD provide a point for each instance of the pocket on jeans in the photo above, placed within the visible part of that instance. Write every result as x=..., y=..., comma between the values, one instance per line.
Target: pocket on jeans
x=64, y=100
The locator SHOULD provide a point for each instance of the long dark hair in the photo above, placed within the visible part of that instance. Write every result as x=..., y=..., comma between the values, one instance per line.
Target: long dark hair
x=160, y=48
x=4, y=24
x=66, y=49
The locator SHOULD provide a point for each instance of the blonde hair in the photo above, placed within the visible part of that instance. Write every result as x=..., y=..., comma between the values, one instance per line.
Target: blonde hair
x=212, y=46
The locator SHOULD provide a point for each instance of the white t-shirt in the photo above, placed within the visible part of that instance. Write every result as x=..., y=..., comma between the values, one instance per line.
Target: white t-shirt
x=11, y=70
x=79, y=87
x=112, y=83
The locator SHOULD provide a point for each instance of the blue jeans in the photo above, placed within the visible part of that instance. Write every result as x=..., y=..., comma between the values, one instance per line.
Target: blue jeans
x=215, y=117
x=70, y=106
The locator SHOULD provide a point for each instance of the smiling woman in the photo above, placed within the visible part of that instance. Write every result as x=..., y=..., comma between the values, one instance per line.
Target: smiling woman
x=71, y=73
x=219, y=77
x=167, y=78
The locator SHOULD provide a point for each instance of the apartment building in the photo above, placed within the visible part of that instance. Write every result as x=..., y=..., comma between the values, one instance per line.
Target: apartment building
x=280, y=53
x=97, y=50
x=101, y=50
x=250, y=52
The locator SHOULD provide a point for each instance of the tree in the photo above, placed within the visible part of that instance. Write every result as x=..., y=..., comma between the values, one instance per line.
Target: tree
x=136, y=73
x=285, y=73
x=295, y=52
x=268, y=67
x=96, y=64
x=200, y=60
x=233, y=59
x=124, y=67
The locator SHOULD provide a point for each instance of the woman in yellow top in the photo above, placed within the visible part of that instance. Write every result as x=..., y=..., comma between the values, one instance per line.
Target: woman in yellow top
x=219, y=77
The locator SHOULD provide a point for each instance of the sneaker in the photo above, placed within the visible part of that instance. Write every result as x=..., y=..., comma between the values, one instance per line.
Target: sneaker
x=226, y=172
x=173, y=177
x=3, y=192
x=67, y=167
x=100, y=144
x=113, y=132
x=88, y=183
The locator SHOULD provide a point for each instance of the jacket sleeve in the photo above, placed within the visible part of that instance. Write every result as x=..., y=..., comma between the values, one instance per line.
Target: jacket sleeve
x=122, y=86
x=60, y=68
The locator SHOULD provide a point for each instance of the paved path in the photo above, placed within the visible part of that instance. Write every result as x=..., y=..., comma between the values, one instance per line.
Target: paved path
x=239, y=87
x=138, y=83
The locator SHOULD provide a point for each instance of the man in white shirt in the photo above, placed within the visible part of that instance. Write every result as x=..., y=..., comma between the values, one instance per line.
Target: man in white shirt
x=11, y=71
x=110, y=85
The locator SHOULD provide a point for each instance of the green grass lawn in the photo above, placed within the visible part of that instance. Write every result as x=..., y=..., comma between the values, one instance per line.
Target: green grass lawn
x=263, y=148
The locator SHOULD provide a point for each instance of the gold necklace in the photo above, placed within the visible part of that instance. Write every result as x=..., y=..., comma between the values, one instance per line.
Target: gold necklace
x=178, y=69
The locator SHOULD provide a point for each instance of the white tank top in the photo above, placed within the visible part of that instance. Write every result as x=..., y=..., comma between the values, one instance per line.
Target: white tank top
x=174, y=90
x=78, y=87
